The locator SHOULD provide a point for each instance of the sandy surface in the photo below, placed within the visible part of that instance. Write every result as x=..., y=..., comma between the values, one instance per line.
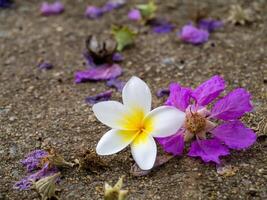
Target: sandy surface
x=45, y=108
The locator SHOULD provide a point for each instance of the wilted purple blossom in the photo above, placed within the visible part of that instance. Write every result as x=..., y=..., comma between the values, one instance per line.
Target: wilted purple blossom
x=116, y=84
x=210, y=25
x=93, y=12
x=33, y=159
x=228, y=133
x=193, y=35
x=5, y=3
x=103, y=72
x=163, y=92
x=51, y=8
x=45, y=65
x=134, y=15
x=103, y=96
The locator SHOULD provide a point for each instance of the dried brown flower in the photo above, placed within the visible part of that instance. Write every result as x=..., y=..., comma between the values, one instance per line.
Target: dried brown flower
x=238, y=15
x=115, y=192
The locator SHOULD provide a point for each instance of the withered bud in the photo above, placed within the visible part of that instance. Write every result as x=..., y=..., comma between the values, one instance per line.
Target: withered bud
x=57, y=160
x=87, y=159
x=101, y=48
x=46, y=187
x=115, y=192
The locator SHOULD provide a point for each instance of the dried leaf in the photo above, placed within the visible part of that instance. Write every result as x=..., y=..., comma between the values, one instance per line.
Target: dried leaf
x=57, y=160
x=124, y=36
x=115, y=192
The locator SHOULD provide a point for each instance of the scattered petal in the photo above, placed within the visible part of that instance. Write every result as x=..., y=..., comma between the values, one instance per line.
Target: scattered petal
x=103, y=72
x=103, y=96
x=173, y=144
x=208, y=150
x=116, y=84
x=134, y=15
x=210, y=25
x=193, y=35
x=209, y=90
x=124, y=36
x=55, y=8
x=161, y=26
x=117, y=57
x=33, y=160
x=235, y=135
x=115, y=193
x=113, y=4
x=233, y=106
x=93, y=12
x=5, y=3
x=179, y=96
x=45, y=65
x=162, y=92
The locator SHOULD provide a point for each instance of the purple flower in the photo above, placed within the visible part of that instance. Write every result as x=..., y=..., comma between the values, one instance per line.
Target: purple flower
x=45, y=65
x=52, y=9
x=229, y=133
x=103, y=72
x=5, y=3
x=116, y=84
x=93, y=12
x=104, y=96
x=163, y=92
x=134, y=15
x=193, y=35
x=26, y=183
x=210, y=25
x=33, y=159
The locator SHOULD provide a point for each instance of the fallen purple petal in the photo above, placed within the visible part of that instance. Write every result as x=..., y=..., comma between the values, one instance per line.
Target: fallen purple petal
x=210, y=25
x=103, y=96
x=103, y=72
x=93, y=12
x=112, y=4
x=208, y=150
x=52, y=9
x=163, y=92
x=33, y=159
x=233, y=106
x=117, y=57
x=209, y=90
x=5, y=3
x=179, y=96
x=89, y=60
x=45, y=65
x=235, y=135
x=134, y=15
x=193, y=35
x=116, y=84
x=173, y=144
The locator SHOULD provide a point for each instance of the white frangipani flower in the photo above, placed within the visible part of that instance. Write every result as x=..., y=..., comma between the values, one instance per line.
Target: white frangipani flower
x=134, y=123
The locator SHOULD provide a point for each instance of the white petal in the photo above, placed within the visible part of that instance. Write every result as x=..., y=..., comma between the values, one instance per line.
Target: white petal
x=114, y=141
x=110, y=113
x=144, y=151
x=164, y=121
x=136, y=94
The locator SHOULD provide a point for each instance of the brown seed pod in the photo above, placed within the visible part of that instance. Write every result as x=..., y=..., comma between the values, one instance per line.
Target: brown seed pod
x=101, y=48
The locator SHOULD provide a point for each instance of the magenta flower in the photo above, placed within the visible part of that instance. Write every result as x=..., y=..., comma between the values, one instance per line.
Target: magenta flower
x=134, y=15
x=93, y=12
x=193, y=35
x=52, y=9
x=229, y=133
x=103, y=96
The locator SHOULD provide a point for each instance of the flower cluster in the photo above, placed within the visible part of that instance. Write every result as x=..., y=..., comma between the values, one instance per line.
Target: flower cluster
x=211, y=139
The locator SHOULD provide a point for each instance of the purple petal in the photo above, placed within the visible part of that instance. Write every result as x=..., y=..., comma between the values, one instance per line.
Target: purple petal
x=209, y=90
x=193, y=35
x=235, y=135
x=161, y=26
x=33, y=159
x=89, y=60
x=162, y=92
x=45, y=65
x=93, y=12
x=116, y=84
x=233, y=106
x=209, y=24
x=117, y=57
x=52, y=9
x=134, y=15
x=208, y=150
x=103, y=96
x=173, y=144
x=103, y=72
x=5, y=3
x=113, y=4
x=179, y=96
x=26, y=183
